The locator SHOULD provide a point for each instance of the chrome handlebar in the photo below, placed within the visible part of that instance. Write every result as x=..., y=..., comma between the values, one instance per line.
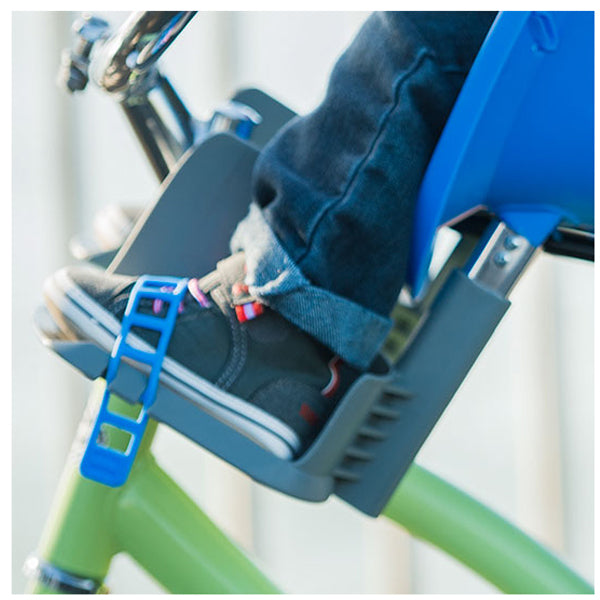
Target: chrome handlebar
x=119, y=62
x=124, y=65
x=127, y=58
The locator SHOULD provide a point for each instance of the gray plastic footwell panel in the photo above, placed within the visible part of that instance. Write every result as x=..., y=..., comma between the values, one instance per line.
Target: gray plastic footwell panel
x=461, y=321
x=379, y=425
x=188, y=227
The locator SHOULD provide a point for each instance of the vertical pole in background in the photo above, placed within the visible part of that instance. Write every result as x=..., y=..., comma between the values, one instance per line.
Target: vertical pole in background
x=43, y=217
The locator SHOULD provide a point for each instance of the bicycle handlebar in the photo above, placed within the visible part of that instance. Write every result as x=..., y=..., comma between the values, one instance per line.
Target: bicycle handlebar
x=124, y=65
x=127, y=55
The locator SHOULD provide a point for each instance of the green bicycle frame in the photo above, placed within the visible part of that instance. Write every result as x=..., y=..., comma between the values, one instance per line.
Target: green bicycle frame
x=151, y=519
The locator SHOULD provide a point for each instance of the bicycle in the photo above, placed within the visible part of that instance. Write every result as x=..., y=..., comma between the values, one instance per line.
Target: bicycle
x=147, y=475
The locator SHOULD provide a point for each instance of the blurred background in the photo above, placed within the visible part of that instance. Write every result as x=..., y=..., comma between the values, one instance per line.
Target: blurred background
x=518, y=435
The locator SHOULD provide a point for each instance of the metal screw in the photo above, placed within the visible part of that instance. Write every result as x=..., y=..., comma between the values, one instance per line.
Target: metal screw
x=511, y=242
x=75, y=62
x=501, y=259
x=90, y=28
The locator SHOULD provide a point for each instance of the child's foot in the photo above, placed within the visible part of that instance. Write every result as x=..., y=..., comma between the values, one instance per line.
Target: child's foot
x=269, y=379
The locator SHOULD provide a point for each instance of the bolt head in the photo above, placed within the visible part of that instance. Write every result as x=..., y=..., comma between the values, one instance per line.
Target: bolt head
x=511, y=242
x=501, y=259
x=90, y=28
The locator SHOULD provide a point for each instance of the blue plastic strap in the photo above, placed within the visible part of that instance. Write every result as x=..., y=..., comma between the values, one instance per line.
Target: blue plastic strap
x=109, y=465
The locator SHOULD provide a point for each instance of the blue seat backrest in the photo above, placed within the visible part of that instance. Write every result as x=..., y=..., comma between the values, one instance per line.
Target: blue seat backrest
x=520, y=138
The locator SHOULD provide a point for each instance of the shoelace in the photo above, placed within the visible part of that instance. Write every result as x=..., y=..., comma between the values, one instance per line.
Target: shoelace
x=194, y=290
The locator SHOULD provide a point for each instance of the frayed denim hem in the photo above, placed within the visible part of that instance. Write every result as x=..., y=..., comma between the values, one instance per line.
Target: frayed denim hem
x=350, y=330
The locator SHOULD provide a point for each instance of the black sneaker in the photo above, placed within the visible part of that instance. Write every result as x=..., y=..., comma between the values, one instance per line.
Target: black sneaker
x=264, y=376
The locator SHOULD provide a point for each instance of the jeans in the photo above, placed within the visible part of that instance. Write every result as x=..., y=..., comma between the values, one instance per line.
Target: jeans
x=328, y=233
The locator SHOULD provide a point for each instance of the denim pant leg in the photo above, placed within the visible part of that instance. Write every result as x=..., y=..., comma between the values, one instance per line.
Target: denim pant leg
x=328, y=233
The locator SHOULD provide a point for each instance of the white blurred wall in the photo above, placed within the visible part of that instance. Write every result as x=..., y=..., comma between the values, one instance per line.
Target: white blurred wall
x=519, y=434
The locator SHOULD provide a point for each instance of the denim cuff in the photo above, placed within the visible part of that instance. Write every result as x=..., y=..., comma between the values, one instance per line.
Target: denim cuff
x=350, y=330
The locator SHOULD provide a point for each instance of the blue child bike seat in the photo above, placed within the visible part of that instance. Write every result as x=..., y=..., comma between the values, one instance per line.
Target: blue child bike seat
x=520, y=139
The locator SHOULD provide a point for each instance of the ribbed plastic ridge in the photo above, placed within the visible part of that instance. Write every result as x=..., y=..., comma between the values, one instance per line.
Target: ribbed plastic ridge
x=100, y=462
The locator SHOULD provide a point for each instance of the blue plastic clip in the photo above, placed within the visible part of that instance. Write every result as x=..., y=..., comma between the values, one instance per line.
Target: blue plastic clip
x=108, y=465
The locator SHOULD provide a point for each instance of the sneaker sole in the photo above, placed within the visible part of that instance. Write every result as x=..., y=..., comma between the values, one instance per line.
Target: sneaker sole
x=80, y=316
